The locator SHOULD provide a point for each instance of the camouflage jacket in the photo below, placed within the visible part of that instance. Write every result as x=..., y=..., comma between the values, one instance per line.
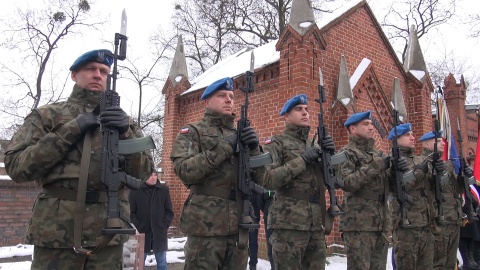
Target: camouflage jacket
x=452, y=206
x=420, y=211
x=289, y=172
x=366, y=183
x=48, y=149
x=202, y=157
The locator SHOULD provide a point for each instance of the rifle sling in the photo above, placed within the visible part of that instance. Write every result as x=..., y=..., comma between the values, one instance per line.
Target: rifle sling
x=80, y=205
x=298, y=195
x=91, y=196
x=213, y=191
x=368, y=195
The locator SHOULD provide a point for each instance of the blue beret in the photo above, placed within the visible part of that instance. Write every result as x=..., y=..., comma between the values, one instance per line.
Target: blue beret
x=355, y=118
x=430, y=135
x=99, y=56
x=300, y=99
x=222, y=84
x=401, y=129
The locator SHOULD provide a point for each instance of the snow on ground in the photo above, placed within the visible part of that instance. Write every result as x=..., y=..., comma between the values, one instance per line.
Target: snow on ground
x=174, y=255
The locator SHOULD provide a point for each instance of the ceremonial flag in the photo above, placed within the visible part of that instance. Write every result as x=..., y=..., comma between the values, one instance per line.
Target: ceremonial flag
x=476, y=165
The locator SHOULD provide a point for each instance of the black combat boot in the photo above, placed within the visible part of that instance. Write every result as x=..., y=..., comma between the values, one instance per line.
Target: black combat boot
x=465, y=246
x=253, y=267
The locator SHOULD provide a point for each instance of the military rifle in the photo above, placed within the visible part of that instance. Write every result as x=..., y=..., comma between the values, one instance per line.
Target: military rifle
x=436, y=156
x=246, y=220
x=402, y=197
x=328, y=158
x=471, y=213
x=111, y=174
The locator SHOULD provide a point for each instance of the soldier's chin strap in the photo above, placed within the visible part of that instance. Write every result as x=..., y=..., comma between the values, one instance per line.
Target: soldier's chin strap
x=80, y=202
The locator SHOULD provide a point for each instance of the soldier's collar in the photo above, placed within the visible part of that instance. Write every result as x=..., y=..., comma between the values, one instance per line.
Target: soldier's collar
x=88, y=98
x=296, y=131
x=219, y=119
x=407, y=151
x=361, y=143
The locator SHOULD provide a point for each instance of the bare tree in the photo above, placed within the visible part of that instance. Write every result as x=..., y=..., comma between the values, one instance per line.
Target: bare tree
x=215, y=29
x=424, y=14
x=35, y=34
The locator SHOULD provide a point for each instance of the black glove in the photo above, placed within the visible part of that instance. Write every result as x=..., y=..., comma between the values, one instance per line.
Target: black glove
x=468, y=172
x=328, y=144
x=402, y=164
x=87, y=121
x=249, y=137
x=439, y=166
x=310, y=155
x=115, y=117
x=232, y=140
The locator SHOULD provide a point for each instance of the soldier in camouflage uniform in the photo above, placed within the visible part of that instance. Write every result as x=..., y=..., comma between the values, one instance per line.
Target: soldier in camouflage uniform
x=203, y=157
x=48, y=149
x=446, y=242
x=413, y=247
x=298, y=240
x=365, y=182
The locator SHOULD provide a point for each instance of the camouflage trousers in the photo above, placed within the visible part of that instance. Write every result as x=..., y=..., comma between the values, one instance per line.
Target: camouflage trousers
x=446, y=246
x=413, y=248
x=366, y=250
x=214, y=252
x=110, y=257
x=296, y=250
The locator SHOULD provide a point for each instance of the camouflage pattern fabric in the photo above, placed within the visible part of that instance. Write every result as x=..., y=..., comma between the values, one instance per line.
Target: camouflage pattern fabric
x=420, y=212
x=201, y=156
x=446, y=243
x=110, y=257
x=289, y=172
x=294, y=249
x=298, y=239
x=445, y=247
x=48, y=148
x=363, y=173
x=214, y=252
x=414, y=248
x=366, y=250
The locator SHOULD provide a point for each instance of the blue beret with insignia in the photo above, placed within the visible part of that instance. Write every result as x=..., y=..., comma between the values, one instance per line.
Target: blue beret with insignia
x=99, y=56
x=222, y=84
x=401, y=129
x=357, y=117
x=300, y=99
x=430, y=135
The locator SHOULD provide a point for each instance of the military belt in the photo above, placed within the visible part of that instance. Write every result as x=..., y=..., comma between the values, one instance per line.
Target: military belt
x=214, y=191
x=379, y=197
x=451, y=195
x=419, y=193
x=299, y=195
x=92, y=196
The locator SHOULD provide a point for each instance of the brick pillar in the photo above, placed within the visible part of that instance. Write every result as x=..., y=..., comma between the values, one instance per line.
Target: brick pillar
x=454, y=94
x=173, y=120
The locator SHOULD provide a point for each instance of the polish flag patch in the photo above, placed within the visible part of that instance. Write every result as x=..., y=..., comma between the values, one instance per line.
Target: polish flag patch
x=268, y=141
x=184, y=130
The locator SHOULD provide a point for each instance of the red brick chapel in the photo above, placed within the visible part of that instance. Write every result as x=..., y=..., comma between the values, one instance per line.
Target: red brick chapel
x=358, y=64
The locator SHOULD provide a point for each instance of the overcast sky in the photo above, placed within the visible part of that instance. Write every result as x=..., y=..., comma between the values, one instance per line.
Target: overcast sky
x=144, y=16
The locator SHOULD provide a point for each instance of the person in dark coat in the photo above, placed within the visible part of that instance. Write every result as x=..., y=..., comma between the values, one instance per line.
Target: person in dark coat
x=151, y=213
x=469, y=245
